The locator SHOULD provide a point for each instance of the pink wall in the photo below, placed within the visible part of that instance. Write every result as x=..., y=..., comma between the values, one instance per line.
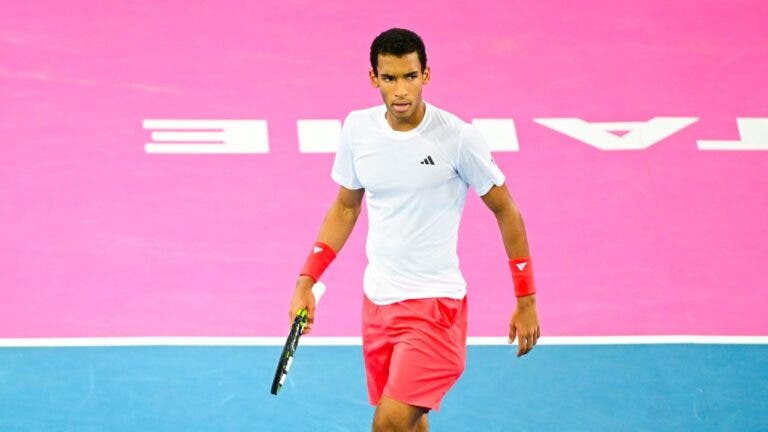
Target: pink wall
x=100, y=238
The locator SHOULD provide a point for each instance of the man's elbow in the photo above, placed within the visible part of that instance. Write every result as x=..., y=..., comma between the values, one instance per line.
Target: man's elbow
x=348, y=213
x=507, y=210
x=353, y=213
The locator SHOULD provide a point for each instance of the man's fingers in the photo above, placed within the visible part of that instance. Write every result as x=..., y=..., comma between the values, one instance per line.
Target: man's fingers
x=522, y=345
x=310, y=314
x=524, y=326
x=310, y=318
x=307, y=326
x=526, y=342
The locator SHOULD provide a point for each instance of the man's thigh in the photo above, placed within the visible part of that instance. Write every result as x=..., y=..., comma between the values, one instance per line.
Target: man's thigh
x=426, y=341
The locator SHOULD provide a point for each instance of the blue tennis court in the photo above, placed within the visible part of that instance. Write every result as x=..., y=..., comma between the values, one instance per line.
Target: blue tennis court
x=670, y=387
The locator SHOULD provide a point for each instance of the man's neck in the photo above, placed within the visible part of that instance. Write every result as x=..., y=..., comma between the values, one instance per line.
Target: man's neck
x=410, y=123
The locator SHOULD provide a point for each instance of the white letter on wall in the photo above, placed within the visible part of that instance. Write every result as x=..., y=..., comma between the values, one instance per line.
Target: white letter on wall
x=319, y=136
x=207, y=136
x=752, y=131
x=640, y=135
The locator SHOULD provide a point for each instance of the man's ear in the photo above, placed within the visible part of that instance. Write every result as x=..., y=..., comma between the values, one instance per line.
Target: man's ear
x=374, y=79
x=426, y=74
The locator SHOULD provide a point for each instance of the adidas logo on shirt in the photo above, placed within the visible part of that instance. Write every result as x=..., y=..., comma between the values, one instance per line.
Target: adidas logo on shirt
x=427, y=161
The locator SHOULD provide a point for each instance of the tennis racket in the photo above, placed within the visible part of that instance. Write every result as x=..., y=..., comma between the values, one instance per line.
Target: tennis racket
x=289, y=349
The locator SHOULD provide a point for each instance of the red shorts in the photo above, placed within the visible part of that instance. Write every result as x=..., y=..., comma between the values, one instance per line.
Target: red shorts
x=414, y=350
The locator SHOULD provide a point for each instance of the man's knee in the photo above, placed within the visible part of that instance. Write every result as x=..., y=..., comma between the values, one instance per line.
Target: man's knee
x=394, y=416
x=384, y=423
x=388, y=423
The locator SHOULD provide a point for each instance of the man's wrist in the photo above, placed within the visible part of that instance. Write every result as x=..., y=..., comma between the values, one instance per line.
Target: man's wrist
x=304, y=280
x=526, y=301
x=318, y=260
x=522, y=276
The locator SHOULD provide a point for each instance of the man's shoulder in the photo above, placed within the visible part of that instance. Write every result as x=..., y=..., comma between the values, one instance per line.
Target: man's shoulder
x=364, y=114
x=447, y=120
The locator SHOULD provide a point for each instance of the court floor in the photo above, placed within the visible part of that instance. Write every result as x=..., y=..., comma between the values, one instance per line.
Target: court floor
x=670, y=387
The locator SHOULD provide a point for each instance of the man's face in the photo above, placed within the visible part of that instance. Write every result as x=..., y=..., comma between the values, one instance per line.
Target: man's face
x=399, y=80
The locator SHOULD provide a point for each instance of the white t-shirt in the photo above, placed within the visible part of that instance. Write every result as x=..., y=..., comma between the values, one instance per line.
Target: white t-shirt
x=416, y=185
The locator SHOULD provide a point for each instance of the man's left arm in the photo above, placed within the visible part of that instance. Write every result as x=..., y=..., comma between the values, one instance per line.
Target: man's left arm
x=524, y=324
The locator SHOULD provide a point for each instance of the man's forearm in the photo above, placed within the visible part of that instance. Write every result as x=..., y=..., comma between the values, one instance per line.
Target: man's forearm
x=515, y=240
x=337, y=225
x=513, y=232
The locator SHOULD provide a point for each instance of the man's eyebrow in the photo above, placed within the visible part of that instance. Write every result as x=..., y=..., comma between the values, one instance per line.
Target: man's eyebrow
x=389, y=75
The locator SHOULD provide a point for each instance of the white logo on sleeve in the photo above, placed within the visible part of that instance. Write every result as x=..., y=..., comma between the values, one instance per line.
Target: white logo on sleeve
x=521, y=266
x=317, y=249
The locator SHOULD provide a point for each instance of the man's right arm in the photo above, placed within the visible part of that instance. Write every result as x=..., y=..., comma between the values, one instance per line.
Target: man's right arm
x=335, y=230
x=341, y=218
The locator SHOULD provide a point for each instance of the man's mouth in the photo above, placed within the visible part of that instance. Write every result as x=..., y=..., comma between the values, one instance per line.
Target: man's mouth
x=401, y=106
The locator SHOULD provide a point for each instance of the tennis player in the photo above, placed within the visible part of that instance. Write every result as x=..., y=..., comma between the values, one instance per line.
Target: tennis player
x=415, y=162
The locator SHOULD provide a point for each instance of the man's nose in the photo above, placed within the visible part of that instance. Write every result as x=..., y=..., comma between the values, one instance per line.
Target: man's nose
x=401, y=89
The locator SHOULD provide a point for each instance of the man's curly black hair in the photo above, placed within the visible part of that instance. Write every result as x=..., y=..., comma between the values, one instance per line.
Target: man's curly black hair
x=397, y=42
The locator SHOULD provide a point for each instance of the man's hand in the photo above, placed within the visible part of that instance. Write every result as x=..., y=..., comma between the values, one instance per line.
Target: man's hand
x=303, y=298
x=524, y=325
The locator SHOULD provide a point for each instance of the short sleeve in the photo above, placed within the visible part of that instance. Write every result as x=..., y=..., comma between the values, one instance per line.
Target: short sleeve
x=343, y=171
x=475, y=162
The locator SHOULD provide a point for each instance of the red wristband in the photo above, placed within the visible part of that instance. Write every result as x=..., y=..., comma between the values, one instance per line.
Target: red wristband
x=522, y=276
x=319, y=259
